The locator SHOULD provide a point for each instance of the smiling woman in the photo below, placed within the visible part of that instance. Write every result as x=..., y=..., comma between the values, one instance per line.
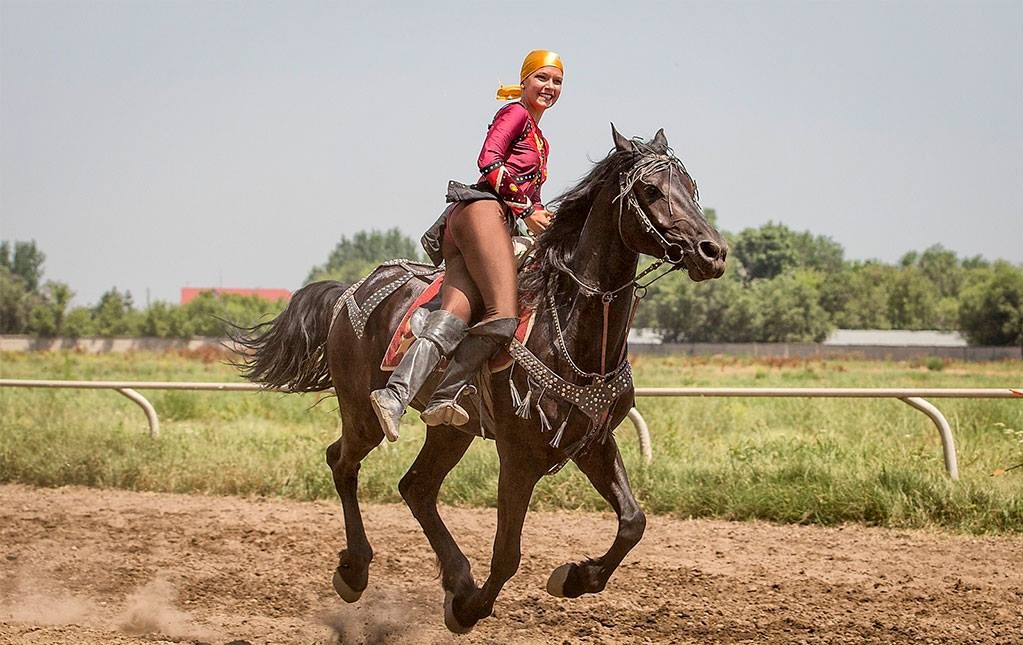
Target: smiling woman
x=473, y=240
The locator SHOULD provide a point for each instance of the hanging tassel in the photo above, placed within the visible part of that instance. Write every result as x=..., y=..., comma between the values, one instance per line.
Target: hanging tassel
x=557, y=437
x=515, y=396
x=520, y=403
x=545, y=424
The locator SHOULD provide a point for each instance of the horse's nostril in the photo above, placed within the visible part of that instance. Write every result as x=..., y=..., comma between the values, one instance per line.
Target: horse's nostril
x=709, y=250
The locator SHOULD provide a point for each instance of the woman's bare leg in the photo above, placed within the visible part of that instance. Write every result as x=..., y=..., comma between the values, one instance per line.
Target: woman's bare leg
x=478, y=251
x=480, y=264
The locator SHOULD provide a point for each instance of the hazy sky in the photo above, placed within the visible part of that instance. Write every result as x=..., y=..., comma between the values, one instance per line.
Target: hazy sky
x=153, y=145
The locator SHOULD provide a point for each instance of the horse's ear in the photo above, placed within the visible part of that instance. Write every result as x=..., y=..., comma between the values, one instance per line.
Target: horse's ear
x=621, y=143
x=660, y=141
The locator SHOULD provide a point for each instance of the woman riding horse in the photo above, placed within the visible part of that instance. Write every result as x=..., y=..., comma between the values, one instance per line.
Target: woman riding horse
x=569, y=387
x=473, y=239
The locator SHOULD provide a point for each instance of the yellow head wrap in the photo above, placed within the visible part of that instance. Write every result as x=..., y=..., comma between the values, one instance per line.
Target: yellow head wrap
x=534, y=60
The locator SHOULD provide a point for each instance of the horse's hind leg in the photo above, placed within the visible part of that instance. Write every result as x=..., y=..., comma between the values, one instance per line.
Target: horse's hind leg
x=344, y=457
x=443, y=449
x=605, y=470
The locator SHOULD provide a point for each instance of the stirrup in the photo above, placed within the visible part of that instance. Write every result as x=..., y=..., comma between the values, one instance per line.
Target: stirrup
x=448, y=412
x=386, y=407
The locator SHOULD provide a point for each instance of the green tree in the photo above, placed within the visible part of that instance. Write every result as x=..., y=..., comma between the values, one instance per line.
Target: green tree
x=16, y=303
x=942, y=267
x=352, y=259
x=857, y=297
x=26, y=262
x=819, y=252
x=712, y=311
x=164, y=320
x=773, y=249
x=115, y=315
x=975, y=262
x=206, y=314
x=991, y=307
x=946, y=314
x=786, y=309
x=766, y=251
x=47, y=317
x=78, y=322
x=912, y=300
x=790, y=309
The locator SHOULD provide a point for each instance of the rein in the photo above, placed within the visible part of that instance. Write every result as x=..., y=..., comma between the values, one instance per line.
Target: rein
x=674, y=254
x=606, y=387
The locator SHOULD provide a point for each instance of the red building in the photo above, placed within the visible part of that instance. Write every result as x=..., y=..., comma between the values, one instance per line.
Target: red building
x=189, y=293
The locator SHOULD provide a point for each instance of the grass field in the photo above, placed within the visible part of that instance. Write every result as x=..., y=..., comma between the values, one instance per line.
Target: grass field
x=823, y=461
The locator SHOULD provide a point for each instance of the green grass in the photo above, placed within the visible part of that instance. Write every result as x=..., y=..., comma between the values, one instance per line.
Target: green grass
x=822, y=461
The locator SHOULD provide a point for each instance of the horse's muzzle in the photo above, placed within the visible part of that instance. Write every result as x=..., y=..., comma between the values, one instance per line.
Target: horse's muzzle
x=708, y=261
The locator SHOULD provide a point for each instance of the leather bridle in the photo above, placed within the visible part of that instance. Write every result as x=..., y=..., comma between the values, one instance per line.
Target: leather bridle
x=674, y=255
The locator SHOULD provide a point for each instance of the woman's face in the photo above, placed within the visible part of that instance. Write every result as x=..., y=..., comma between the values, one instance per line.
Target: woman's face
x=542, y=88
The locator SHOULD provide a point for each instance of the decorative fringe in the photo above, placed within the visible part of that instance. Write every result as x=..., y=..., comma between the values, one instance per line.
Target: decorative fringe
x=561, y=431
x=520, y=403
x=545, y=424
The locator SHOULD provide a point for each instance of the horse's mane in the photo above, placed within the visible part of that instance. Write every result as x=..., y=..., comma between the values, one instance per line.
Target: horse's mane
x=555, y=246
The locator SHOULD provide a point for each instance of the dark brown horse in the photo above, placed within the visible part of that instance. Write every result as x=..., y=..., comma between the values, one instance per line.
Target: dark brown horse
x=568, y=389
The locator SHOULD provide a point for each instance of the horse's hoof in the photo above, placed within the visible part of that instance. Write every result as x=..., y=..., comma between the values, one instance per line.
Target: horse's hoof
x=341, y=587
x=556, y=583
x=450, y=621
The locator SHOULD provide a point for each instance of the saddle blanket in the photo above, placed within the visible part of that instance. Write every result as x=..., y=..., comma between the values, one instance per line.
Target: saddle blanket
x=430, y=299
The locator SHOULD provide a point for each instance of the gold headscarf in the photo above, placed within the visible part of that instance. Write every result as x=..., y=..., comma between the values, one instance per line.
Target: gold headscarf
x=534, y=60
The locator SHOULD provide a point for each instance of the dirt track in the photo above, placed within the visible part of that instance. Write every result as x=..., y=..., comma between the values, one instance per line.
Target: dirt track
x=88, y=566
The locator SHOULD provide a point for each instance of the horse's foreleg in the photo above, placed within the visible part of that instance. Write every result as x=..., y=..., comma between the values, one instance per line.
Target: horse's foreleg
x=605, y=470
x=344, y=457
x=515, y=487
x=444, y=447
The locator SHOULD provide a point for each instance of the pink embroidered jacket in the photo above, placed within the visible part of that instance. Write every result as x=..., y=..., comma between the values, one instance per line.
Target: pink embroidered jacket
x=514, y=159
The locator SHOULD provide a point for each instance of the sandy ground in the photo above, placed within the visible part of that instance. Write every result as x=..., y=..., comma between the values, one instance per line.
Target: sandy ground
x=88, y=566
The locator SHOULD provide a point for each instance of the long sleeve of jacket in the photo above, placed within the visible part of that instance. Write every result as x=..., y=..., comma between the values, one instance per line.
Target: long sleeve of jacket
x=510, y=127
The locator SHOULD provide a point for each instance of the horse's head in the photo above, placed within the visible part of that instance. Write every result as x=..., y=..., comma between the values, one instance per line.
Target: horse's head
x=658, y=213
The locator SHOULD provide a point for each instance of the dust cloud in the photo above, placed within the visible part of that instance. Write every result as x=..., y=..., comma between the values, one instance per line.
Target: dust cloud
x=30, y=597
x=39, y=602
x=151, y=609
x=379, y=620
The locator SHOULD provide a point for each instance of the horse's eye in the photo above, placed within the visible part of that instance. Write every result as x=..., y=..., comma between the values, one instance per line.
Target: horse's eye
x=652, y=193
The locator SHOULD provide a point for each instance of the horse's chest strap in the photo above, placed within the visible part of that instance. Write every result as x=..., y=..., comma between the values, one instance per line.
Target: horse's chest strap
x=593, y=400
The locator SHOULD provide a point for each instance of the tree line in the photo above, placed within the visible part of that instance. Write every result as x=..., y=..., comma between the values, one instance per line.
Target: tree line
x=786, y=286
x=30, y=306
x=780, y=285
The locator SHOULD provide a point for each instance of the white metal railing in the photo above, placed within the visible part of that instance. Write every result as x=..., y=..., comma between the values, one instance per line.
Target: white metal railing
x=130, y=390
x=914, y=397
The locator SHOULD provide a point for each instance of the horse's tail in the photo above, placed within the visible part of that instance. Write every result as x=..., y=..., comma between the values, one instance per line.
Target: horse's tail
x=288, y=352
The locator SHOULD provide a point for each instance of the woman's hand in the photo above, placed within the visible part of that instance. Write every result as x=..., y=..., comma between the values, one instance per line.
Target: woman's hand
x=538, y=221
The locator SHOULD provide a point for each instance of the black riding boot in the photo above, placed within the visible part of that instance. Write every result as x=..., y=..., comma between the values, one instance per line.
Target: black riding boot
x=440, y=336
x=482, y=342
